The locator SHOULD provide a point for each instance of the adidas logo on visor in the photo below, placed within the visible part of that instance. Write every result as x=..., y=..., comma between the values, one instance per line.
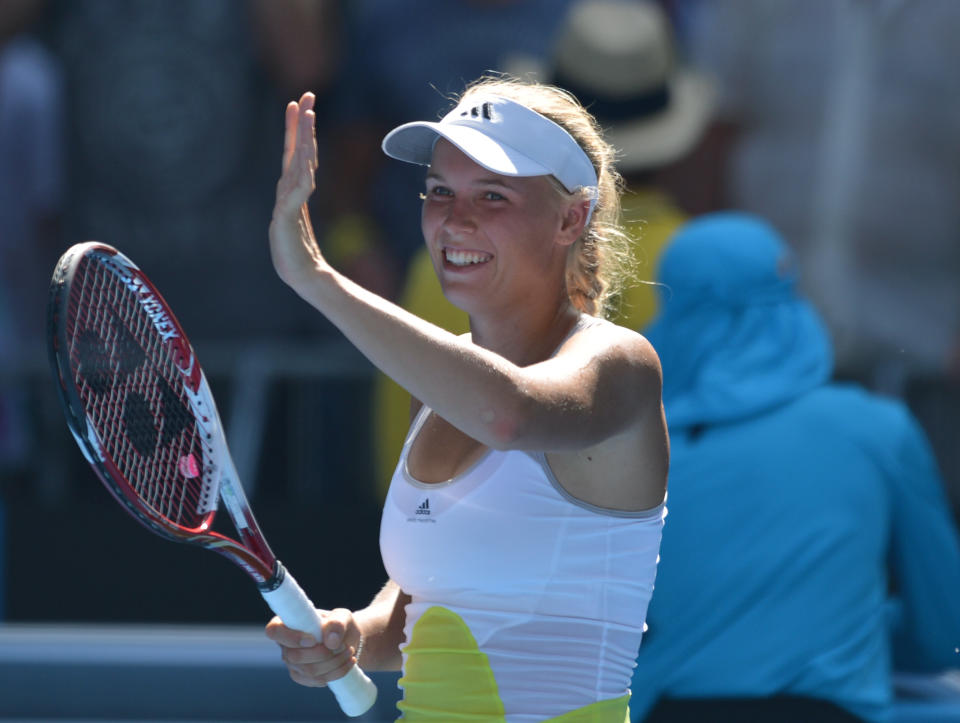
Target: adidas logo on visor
x=484, y=110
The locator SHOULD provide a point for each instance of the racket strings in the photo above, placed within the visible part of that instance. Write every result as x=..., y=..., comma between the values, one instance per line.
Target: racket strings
x=133, y=391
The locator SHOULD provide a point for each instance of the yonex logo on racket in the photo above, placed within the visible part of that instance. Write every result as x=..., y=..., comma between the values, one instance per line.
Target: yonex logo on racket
x=148, y=301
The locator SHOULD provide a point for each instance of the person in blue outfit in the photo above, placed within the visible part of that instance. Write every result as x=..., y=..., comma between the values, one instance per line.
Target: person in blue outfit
x=810, y=549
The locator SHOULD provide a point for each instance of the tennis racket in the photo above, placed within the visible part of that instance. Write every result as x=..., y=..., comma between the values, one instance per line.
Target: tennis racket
x=138, y=404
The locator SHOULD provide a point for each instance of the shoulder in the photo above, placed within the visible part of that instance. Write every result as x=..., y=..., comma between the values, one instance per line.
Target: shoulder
x=595, y=328
x=616, y=368
x=616, y=345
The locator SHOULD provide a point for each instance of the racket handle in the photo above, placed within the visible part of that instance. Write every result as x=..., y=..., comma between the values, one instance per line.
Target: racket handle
x=355, y=692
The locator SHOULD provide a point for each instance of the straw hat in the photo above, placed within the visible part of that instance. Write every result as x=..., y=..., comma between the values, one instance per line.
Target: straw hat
x=618, y=58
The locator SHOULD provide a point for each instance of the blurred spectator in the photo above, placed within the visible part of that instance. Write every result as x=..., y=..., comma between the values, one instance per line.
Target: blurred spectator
x=299, y=43
x=809, y=549
x=31, y=177
x=173, y=120
x=618, y=58
x=30, y=197
x=839, y=119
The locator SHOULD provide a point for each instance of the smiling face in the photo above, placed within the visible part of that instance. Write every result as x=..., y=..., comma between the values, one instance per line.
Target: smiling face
x=495, y=240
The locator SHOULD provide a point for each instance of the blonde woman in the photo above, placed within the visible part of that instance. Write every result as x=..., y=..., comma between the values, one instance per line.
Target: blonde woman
x=522, y=526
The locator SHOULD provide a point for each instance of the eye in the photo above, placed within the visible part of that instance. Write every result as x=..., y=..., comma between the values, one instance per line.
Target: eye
x=435, y=192
x=493, y=196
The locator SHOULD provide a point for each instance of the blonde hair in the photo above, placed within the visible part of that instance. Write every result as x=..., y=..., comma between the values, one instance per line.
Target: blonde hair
x=600, y=263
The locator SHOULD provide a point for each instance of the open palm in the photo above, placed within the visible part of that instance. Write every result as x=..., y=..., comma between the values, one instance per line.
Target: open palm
x=292, y=246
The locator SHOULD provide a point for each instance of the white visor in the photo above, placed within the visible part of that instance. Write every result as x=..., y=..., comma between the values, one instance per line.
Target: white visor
x=491, y=130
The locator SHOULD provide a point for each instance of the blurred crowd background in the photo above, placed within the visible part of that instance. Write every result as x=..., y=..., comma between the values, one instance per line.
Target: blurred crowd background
x=156, y=126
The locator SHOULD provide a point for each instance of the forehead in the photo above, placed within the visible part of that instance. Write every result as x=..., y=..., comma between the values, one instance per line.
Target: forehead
x=450, y=162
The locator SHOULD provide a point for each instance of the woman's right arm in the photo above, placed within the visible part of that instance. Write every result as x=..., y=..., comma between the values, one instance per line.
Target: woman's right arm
x=381, y=624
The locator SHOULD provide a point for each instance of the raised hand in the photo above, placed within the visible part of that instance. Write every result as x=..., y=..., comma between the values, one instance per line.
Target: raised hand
x=293, y=248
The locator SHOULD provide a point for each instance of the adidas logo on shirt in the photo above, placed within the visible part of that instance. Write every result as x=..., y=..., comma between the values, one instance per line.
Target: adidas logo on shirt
x=422, y=512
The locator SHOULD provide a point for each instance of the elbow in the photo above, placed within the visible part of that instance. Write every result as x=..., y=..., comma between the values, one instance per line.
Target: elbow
x=509, y=425
x=504, y=432
x=525, y=422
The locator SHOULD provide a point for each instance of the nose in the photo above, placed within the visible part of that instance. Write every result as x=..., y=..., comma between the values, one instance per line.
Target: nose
x=460, y=215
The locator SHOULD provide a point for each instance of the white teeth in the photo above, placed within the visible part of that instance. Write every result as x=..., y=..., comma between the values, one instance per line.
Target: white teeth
x=465, y=258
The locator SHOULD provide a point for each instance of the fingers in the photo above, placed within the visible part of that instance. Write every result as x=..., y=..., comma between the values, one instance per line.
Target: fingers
x=312, y=663
x=299, y=124
x=298, y=178
x=306, y=135
x=290, y=133
x=335, y=624
x=307, y=100
x=316, y=674
x=288, y=637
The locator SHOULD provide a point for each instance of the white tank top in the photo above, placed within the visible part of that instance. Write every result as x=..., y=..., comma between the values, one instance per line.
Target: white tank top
x=522, y=596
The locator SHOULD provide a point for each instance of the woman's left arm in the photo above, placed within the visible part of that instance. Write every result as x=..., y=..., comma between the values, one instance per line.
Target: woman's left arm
x=601, y=383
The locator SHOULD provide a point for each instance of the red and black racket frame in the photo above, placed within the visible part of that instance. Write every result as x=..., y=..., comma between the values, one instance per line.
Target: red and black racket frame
x=252, y=553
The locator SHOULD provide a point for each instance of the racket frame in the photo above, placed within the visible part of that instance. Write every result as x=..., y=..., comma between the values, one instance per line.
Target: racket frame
x=251, y=552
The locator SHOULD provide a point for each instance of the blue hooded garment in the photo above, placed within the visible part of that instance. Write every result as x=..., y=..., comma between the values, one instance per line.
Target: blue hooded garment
x=733, y=337
x=790, y=497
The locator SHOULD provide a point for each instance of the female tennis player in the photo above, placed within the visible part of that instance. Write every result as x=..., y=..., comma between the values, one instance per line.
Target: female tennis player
x=522, y=525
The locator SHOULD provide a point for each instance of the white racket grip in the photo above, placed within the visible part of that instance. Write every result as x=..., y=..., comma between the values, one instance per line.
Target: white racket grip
x=355, y=692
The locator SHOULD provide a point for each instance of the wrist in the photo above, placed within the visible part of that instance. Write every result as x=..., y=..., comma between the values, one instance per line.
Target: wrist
x=368, y=651
x=294, y=253
x=358, y=650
